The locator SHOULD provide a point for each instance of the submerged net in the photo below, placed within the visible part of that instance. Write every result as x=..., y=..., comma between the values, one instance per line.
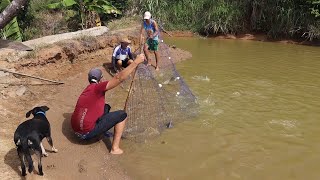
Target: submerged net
x=157, y=99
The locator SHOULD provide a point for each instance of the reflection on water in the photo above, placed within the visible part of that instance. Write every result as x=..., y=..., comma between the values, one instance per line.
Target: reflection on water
x=259, y=116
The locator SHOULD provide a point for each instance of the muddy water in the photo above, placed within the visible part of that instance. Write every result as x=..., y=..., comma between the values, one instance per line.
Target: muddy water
x=259, y=115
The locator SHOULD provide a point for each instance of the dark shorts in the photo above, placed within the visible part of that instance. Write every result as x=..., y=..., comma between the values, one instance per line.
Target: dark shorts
x=106, y=122
x=124, y=62
x=152, y=44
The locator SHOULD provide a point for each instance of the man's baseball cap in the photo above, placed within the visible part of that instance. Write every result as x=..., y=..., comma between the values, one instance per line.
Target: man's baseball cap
x=147, y=15
x=94, y=74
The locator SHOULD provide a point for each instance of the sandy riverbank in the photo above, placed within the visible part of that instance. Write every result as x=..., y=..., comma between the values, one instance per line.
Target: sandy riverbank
x=67, y=61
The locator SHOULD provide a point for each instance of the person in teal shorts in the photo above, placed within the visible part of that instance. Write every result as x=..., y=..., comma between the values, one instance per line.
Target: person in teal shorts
x=151, y=28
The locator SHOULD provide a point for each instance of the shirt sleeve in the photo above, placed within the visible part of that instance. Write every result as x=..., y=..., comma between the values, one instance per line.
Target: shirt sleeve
x=115, y=51
x=101, y=87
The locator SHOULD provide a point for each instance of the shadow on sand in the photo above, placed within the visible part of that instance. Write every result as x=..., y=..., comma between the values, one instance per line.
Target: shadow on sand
x=16, y=45
x=68, y=132
x=12, y=160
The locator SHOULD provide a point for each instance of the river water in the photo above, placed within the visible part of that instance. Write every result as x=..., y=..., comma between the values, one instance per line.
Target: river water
x=259, y=115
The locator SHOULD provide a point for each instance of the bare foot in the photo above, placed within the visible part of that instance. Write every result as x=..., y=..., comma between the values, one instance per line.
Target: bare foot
x=45, y=154
x=157, y=69
x=149, y=63
x=116, y=151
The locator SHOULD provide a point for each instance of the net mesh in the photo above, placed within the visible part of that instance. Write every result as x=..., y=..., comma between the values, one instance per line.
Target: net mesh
x=157, y=99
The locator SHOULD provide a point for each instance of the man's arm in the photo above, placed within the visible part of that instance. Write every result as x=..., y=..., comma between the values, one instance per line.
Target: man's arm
x=156, y=27
x=114, y=60
x=130, y=54
x=118, y=78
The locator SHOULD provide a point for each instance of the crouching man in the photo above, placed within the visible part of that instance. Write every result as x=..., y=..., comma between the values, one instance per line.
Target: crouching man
x=122, y=55
x=91, y=117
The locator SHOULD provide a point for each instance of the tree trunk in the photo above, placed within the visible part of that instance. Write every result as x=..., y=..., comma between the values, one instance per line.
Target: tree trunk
x=11, y=11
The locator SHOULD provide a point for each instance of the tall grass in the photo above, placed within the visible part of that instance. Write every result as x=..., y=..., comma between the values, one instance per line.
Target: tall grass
x=277, y=18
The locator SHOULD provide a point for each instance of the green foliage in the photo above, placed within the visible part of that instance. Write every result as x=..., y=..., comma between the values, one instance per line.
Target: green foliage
x=11, y=30
x=36, y=20
x=315, y=7
x=222, y=17
x=285, y=18
x=313, y=31
x=277, y=18
x=121, y=5
x=85, y=9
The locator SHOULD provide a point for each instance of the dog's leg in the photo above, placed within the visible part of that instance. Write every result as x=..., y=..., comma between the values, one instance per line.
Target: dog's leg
x=43, y=150
x=49, y=139
x=23, y=167
x=39, y=155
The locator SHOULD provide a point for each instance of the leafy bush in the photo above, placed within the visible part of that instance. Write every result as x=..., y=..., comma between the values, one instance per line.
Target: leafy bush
x=12, y=29
x=277, y=18
x=86, y=12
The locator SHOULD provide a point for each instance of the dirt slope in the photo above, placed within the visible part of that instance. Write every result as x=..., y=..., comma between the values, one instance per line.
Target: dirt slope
x=68, y=62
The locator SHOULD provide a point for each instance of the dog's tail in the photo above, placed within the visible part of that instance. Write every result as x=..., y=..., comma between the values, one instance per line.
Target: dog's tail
x=25, y=143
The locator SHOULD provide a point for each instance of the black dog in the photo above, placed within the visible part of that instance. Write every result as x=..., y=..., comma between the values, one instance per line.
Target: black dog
x=29, y=135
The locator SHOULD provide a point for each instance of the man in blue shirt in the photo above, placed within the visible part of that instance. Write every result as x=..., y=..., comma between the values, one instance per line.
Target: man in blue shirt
x=122, y=54
x=152, y=30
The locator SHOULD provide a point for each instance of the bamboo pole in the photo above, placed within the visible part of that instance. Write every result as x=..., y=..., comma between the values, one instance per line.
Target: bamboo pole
x=35, y=77
x=134, y=75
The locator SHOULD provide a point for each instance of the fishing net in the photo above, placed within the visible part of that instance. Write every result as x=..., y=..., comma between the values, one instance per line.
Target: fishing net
x=157, y=99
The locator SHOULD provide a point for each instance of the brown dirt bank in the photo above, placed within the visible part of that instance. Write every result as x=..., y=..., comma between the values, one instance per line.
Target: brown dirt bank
x=67, y=61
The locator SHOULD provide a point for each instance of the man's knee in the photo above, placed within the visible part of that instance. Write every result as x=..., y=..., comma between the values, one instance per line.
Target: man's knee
x=122, y=115
x=119, y=62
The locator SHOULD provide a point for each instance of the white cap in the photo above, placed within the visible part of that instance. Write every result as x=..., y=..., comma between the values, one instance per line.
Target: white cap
x=147, y=15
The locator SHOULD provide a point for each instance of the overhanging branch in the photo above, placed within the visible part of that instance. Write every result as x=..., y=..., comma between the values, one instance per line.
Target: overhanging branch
x=11, y=11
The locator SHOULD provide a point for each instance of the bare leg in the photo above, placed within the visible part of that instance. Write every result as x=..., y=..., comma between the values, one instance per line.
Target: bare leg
x=118, y=130
x=157, y=60
x=43, y=150
x=119, y=65
x=146, y=52
x=130, y=61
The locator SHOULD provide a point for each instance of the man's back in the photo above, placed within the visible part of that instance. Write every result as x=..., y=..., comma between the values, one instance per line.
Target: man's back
x=90, y=106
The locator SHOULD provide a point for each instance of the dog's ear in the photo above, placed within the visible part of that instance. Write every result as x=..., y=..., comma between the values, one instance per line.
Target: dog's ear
x=29, y=113
x=44, y=108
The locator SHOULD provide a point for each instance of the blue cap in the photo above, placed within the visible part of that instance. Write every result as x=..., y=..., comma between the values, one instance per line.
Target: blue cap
x=95, y=74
